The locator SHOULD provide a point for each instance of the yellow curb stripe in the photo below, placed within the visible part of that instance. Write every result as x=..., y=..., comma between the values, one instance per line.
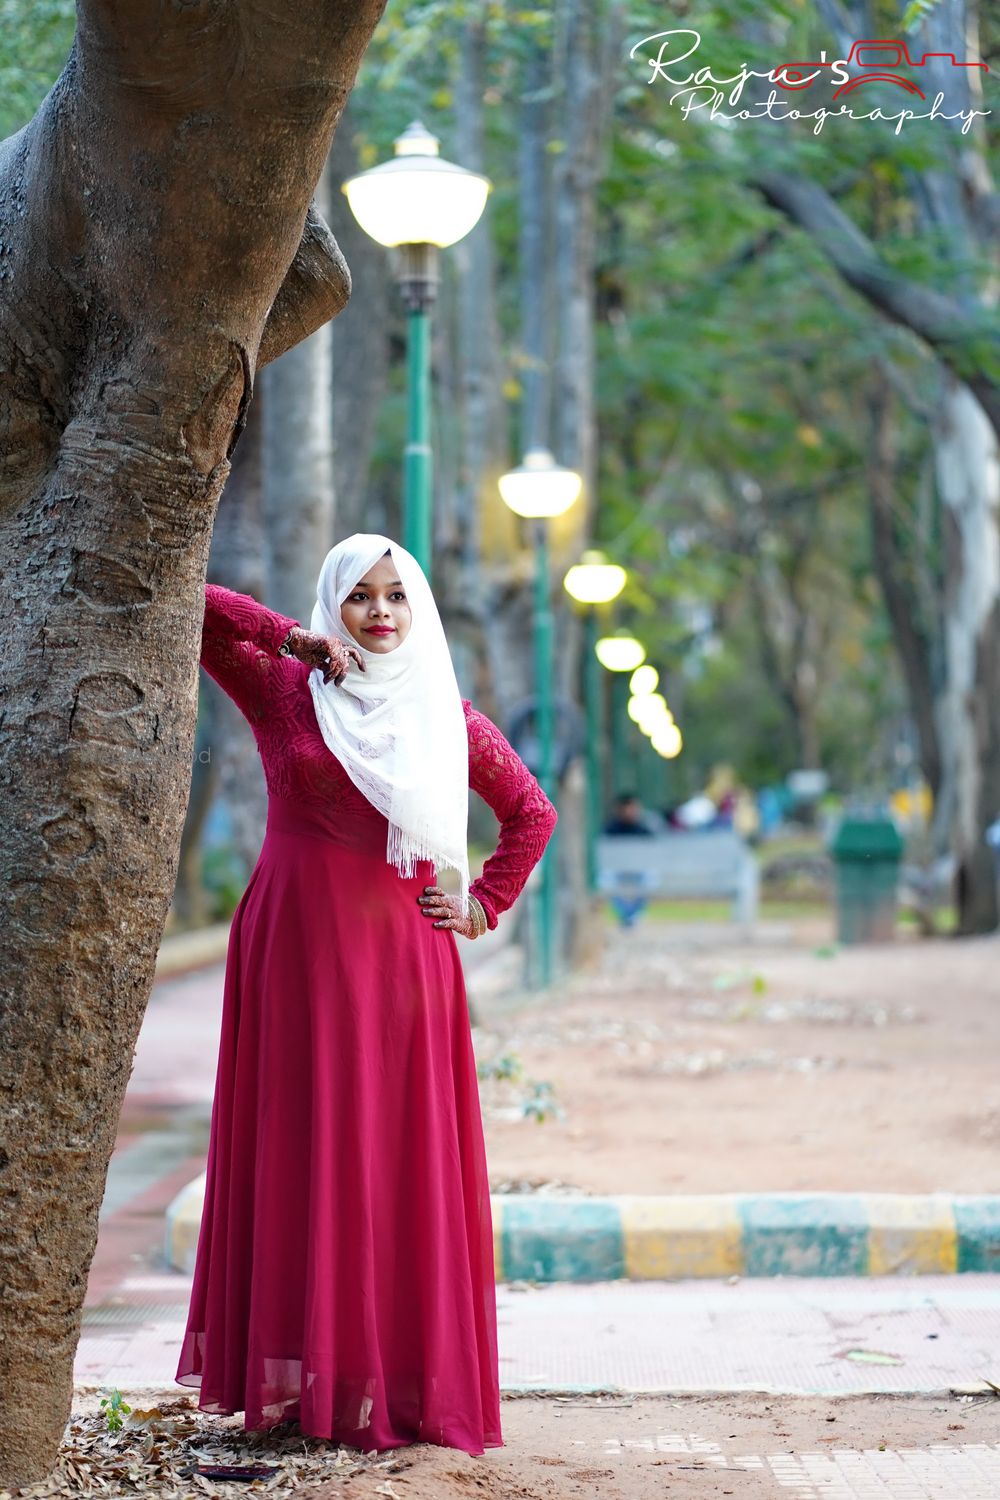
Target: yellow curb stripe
x=910, y=1234
x=677, y=1237
x=184, y=1225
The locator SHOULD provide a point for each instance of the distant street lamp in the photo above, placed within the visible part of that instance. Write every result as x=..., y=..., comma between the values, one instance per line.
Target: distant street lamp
x=666, y=741
x=417, y=203
x=649, y=710
x=593, y=581
x=644, y=679
x=619, y=653
x=538, y=490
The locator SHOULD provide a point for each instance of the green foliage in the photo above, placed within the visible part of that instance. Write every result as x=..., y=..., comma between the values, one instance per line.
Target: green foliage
x=541, y=1104
x=224, y=878
x=916, y=12
x=35, y=39
x=113, y=1406
x=734, y=369
x=506, y=1068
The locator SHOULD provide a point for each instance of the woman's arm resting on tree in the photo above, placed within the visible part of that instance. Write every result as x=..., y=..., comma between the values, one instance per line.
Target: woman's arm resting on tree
x=239, y=647
x=526, y=815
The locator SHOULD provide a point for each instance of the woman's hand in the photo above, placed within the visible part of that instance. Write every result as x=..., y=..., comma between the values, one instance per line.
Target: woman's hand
x=327, y=652
x=444, y=911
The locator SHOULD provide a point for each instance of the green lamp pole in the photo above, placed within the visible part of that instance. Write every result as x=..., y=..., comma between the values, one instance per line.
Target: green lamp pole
x=592, y=709
x=418, y=464
x=538, y=490
x=593, y=582
x=544, y=669
x=416, y=204
x=621, y=653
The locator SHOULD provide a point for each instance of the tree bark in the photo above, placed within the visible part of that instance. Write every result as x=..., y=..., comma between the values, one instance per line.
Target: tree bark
x=298, y=465
x=916, y=652
x=475, y=570
x=968, y=718
x=360, y=344
x=238, y=560
x=150, y=215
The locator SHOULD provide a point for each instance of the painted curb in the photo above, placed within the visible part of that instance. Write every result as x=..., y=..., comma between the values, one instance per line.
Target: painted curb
x=637, y=1237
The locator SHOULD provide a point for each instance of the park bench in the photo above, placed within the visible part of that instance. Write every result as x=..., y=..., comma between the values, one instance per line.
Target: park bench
x=705, y=862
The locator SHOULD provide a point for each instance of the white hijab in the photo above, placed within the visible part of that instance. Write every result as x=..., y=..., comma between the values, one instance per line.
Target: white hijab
x=398, y=729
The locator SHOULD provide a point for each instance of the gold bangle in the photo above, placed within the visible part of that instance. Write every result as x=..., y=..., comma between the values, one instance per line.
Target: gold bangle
x=479, y=915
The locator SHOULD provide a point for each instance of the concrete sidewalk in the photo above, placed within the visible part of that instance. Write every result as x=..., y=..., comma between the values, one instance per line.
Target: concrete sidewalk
x=159, y=1161
x=823, y=1336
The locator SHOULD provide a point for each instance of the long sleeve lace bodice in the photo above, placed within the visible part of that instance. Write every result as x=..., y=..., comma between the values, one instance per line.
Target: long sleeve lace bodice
x=239, y=648
x=240, y=639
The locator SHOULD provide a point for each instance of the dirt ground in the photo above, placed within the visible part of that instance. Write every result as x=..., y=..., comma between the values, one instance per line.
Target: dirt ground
x=580, y=1447
x=691, y=1060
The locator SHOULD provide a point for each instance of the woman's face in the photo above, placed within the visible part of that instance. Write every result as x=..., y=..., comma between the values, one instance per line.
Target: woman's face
x=377, y=613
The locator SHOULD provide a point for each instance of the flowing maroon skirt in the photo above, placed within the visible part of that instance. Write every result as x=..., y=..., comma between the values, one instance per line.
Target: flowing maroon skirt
x=344, y=1274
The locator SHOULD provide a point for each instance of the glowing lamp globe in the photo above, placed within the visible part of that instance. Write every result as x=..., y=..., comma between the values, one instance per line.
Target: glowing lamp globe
x=644, y=680
x=651, y=709
x=417, y=198
x=667, y=741
x=539, y=488
x=620, y=653
x=593, y=580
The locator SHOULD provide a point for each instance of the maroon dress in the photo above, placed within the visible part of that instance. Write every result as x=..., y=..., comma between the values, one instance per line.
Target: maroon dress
x=344, y=1274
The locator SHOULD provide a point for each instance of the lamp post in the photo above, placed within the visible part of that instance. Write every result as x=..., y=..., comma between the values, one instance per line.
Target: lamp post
x=417, y=203
x=619, y=653
x=538, y=490
x=593, y=581
x=649, y=710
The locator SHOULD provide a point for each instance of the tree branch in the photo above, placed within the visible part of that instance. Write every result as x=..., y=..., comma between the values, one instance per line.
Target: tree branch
x=968, y=345
x=316, y=288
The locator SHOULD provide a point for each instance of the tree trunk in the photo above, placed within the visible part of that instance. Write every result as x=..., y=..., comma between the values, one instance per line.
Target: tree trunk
x=587, y=46
x=155, y=249
x=914, y=649
x=189, y=906
x=968, y=719
x=360, y=343
x=481, y=450
x=238, y=560
x=298, y=465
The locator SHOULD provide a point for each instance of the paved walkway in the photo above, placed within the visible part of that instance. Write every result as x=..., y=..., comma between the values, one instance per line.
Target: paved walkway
x=811, y=1336
x=807, y=1339
x=916, y=1334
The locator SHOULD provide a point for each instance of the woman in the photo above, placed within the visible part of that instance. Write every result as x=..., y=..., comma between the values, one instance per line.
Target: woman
x=344, y=1275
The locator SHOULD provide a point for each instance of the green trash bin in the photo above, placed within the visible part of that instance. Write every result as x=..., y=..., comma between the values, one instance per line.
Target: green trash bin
x=866, y=850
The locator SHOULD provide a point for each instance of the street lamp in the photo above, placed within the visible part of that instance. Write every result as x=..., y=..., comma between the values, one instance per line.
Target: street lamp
x=666, y=740
x=644, y=680
x=593, y=581
x=538, y=490
x=619, y=653
x=417, y=203
x=649, y=710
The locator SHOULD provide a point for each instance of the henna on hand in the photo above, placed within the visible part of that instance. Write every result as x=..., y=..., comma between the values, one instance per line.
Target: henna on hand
x=327, y=652
x=444, y=911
